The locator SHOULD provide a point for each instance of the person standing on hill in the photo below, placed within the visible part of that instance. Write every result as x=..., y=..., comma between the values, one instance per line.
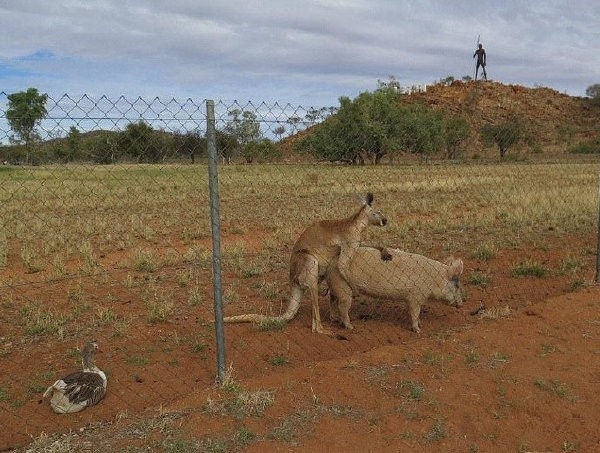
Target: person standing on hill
x=481, y=60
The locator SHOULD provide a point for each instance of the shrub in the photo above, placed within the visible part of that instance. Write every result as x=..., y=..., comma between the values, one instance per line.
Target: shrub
x=593, y=91
x=586, y=148
x=529, y=269
x=504, y=135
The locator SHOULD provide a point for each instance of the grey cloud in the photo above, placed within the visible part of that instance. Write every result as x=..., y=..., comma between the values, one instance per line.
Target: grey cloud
x=312, y=50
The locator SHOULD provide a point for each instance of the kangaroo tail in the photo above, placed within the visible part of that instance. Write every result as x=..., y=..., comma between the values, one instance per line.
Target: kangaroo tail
x=251, y=317
x=289, y=314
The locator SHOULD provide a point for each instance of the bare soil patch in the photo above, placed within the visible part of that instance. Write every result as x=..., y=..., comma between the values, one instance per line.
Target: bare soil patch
x=522, y=378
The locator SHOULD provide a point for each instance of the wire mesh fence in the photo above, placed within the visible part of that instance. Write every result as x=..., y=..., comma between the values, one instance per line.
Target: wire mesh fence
x=105, y=233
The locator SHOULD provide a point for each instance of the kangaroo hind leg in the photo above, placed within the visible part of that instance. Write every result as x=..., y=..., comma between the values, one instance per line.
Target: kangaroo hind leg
x=308, y=279
x=340, y=298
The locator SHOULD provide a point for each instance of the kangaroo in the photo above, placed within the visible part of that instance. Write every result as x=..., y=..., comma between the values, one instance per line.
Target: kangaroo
x=408, y=276
x=315, y=249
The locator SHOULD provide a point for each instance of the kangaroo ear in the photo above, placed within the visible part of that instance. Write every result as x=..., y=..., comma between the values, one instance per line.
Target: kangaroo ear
x=455, y=269
x=369, y=198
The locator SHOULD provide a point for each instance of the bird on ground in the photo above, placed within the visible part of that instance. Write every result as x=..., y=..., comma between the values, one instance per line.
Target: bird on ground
x=80, y=389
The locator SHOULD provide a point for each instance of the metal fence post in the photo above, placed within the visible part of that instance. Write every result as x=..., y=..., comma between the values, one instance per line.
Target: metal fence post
x=213, y=184
x=598, y=233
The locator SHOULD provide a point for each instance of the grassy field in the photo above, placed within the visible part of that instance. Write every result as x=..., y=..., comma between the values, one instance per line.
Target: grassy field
x=120, y=251
x=79, y=222
x=61, y=214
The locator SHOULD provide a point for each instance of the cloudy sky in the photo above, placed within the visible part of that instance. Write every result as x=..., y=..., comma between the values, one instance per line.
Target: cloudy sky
x=304, y=52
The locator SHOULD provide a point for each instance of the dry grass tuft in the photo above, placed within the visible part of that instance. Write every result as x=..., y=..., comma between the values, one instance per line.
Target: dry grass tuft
x=495, y=312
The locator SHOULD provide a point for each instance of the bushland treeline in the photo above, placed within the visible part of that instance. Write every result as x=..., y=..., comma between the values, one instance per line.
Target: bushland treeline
x=365, y=129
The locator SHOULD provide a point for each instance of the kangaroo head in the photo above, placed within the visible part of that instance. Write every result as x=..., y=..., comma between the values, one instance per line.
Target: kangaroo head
x=372, y=216
x=452, y=292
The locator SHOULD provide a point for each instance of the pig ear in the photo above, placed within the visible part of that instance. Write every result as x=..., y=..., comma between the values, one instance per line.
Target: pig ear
x=448, y=261
x=455, y=269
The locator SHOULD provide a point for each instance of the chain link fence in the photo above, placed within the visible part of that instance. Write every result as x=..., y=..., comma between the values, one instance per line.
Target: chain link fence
x=106, y=233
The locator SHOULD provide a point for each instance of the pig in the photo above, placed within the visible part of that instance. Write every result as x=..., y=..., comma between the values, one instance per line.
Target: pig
x=407, y=276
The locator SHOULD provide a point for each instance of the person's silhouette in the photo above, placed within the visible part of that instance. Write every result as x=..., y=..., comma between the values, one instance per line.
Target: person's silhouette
x=481, y=61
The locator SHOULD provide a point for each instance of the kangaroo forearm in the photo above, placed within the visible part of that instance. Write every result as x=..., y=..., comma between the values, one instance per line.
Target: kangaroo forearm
x=384, y=252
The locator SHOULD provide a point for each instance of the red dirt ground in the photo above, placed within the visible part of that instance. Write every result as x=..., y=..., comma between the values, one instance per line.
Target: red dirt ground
x=526, y=381
x=523, y=382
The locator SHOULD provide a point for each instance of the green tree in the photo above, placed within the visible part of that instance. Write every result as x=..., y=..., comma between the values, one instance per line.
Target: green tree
x=25, y=111
x=293, y=121
x=245, y=129
x=421, y=130
x=374, y=125
x=593, y=91
x=456, y=131
x=140, y=141
x=325, y=141
x=263, y=150
x=381, y=115
x=191, y=144
x=447, y=80
x=504, y=135
x=365, y=128
x=587, y=147
x=279, y=131
x=313, y=115
x=74, y=143
x=226, y=146
x=391, y=84
x=104, y=147
x=351, y=132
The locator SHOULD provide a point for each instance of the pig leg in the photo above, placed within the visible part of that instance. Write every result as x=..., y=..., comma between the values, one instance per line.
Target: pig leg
x=414, y=309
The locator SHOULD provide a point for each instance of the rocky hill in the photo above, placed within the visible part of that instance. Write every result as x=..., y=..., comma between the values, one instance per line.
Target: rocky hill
x=552, y=121
x=552, y=117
